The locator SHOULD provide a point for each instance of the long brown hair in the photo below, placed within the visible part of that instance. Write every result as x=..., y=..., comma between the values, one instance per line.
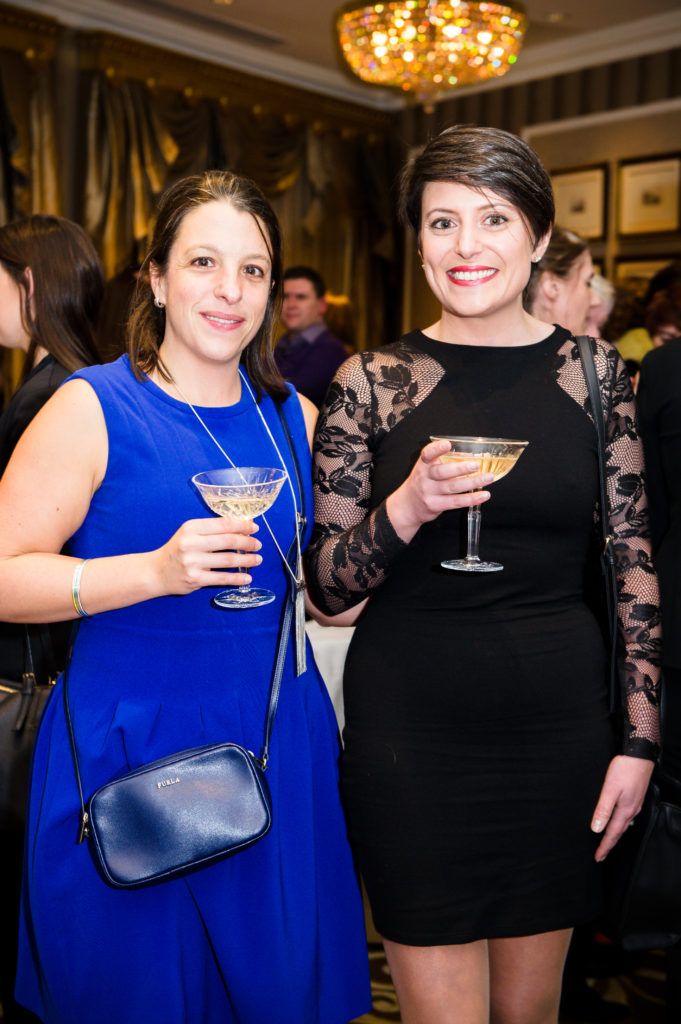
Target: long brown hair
x=68, y=285
x=146, y=325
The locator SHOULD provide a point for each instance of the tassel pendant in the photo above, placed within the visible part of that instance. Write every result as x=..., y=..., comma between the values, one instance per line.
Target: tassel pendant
x=301, y=658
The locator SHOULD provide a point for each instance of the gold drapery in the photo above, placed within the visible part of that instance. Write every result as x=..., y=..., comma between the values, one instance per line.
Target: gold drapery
x=28, y=145
x=129, y=154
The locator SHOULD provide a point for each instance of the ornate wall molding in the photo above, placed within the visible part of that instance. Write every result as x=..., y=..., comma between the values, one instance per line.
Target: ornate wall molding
x=30, y=34
x=121, y=58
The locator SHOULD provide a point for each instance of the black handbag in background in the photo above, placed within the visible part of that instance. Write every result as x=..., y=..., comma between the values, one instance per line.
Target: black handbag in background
x=21, y=707
x=643, y=871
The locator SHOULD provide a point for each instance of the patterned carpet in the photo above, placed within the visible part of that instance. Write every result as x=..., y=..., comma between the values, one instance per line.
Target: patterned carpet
x=642, y=990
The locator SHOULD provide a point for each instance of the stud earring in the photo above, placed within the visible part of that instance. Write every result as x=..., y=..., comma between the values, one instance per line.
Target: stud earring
x=159, y=304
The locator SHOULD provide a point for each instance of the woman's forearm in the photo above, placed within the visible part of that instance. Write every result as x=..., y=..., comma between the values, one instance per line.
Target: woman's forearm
x=37, y=587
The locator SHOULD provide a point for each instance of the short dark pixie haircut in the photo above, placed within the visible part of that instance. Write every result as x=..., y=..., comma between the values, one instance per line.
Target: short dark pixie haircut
x=307, y=274
x=486, y=159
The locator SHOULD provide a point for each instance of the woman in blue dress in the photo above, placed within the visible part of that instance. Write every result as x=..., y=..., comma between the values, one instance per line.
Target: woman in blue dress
x=274, y=933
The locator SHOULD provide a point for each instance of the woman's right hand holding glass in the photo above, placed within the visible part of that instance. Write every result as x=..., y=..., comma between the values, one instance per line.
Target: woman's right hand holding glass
x=202, y=553
x=434, y=487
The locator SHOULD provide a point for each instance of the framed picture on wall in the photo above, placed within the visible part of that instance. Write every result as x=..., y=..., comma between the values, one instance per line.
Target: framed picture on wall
x=580, y=200
x=649, y=196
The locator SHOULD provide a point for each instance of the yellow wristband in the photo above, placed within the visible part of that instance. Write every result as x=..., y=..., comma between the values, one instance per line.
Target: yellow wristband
x=75, y=589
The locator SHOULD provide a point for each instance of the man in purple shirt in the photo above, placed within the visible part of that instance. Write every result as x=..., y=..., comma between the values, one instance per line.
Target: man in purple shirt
x=308, y=354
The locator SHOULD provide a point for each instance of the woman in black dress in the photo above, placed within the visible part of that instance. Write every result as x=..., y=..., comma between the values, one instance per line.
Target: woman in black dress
x=482, y=778
x=51, y=285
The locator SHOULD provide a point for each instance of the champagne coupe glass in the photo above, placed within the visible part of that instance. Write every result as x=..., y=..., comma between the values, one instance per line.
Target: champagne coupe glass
x=243, y=493
x=496, y=455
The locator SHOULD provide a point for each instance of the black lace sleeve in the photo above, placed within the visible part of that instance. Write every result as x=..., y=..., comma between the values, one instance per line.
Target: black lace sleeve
x=639, y=602
x=352, y=548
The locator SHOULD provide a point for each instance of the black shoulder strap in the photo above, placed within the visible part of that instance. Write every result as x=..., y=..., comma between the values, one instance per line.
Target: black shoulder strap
x=294, y=460
x=584, y=345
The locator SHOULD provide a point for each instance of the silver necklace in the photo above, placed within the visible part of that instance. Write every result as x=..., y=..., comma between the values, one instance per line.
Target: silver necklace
x=298, y=578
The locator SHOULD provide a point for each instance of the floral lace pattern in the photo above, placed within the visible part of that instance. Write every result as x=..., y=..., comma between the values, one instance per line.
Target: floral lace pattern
x=354, y=546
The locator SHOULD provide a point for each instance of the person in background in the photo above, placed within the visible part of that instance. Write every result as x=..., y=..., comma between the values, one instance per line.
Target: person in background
x=663, y=316
x=308, y=354
x=482, y=780
x=605, y=293
x=51, y=286
x=274, y=933
x=559, y=289
x=636, y=342
x=659, y=403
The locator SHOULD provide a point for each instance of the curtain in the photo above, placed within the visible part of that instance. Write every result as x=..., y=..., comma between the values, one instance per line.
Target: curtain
x=129, y=154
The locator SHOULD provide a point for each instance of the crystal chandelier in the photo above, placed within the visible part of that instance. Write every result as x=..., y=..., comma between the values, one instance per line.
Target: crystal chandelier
x=424, y=47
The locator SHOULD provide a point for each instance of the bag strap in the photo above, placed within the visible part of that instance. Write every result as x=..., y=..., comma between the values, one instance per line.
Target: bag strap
x=584, y=345
x=279, y=661
x=28, y=685
x=295, y=461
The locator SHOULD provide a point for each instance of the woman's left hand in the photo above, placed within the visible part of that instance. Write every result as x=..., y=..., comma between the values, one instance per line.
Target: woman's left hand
x=620, y=800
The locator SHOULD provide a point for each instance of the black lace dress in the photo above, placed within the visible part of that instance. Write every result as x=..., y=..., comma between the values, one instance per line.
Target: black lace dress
x=477, y=729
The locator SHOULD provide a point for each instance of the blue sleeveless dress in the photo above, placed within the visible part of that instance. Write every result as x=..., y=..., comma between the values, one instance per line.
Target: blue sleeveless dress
x=273, y=934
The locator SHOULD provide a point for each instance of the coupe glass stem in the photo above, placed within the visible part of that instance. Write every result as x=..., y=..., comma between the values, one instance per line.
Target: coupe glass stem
x=243, y=588
x=474, y=517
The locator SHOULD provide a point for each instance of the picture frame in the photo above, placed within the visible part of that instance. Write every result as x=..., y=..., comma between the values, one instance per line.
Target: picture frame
x=649, y=196
x=580, y=200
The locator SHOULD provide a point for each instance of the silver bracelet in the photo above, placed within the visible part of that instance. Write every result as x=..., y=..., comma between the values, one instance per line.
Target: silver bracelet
x=75, y=589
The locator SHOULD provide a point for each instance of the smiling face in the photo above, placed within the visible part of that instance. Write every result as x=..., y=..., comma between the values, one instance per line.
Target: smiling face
x=476, y=251
x=215, y=287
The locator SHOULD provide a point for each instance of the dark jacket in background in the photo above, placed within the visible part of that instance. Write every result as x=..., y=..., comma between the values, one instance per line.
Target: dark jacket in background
x=310, y=365
x=41, y=383
x=659, y=402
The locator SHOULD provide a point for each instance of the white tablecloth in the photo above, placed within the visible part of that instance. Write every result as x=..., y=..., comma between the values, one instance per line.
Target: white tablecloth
x=330, y=645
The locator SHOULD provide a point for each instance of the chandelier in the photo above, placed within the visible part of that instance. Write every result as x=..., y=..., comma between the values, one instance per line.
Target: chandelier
x=424, y=47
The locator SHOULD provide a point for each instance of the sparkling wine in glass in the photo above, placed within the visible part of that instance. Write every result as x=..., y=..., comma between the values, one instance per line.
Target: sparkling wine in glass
x=496, y=455
x=243, y=493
